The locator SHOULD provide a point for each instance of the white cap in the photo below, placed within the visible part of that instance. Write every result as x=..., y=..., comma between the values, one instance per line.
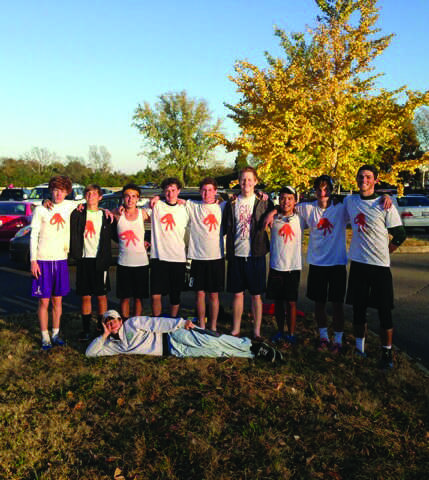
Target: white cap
x=110, y=314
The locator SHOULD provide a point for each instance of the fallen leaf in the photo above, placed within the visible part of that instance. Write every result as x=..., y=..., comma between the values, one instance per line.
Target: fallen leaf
x=79, y=405
x=279, y=386
x=118, y=474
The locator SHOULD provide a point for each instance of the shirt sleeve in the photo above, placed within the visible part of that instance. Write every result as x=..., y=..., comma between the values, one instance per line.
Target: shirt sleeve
x=96, y=348
x=35, y=231
x=157, y=324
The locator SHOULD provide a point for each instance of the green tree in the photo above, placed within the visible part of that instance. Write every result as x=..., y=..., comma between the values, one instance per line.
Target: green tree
x=178, y=134
x=318, y=109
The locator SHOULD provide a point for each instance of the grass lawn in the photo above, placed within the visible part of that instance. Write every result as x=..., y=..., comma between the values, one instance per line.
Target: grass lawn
x=316, y=416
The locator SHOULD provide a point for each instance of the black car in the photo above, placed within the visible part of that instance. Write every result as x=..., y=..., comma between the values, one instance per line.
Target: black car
x=16, y=194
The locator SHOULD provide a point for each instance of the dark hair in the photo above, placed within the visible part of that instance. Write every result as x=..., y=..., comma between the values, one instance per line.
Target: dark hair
x=131, y=186
x=249, y=169
x=171, y=181
x=324, y=180
x=208, y=181
x=371, y=168
x=62, y=182
x=93, y=186
x=288, y=191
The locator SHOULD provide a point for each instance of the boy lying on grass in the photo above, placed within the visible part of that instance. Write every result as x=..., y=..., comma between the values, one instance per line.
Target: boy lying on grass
x=171, y=336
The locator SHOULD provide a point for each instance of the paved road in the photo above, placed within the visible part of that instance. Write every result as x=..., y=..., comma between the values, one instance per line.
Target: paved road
x=411, y=315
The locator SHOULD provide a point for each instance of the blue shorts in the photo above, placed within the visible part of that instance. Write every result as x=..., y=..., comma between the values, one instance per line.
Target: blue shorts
x=247, y=273
x=53, y=280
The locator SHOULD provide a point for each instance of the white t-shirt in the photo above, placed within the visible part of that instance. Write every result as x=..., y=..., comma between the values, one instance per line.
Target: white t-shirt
x=243, y=210
x=91, y=235
x=369, y=220
x=50, y=231
x=132, y=252
x=327, y=242
x=169, y=225
x=205, y=239
x=286, y=239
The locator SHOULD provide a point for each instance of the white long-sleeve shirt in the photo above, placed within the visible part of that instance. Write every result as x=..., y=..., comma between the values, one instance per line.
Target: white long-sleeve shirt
x=50, y=231
x=138, y=335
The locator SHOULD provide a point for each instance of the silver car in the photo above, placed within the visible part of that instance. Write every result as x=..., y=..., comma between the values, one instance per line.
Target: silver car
x=414, y=211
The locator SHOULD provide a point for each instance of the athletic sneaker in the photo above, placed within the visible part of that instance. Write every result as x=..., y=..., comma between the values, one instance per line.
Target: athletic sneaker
x=323, y=345
x=386, y=359
x=279, y=337
x=290, y=340
x=58, y=341
x=264, y=351
x=46, y=345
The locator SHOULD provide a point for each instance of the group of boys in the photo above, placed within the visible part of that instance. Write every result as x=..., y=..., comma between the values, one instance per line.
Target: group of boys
x=244, y=220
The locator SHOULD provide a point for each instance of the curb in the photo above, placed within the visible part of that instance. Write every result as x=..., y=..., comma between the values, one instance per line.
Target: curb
x=413, y=249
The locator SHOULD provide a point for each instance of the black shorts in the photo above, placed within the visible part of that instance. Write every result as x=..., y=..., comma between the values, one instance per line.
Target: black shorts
x=327, y=283
x=167, y=278
x=370, y=286
x=132, y=282
x=246, y=273
x=283, y=285
x=90, y=281
x=207, y=275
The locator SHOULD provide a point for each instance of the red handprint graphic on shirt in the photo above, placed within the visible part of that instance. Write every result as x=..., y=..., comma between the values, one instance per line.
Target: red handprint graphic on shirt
x=360, y=221
x=89, y=229
x=57, y=220
x=286, y=232
x=211, y=222
x=129, y=236
x=325, y=225
x=169, y=221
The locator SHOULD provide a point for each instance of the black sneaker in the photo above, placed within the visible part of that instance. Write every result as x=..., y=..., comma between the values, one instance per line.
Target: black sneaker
x=386, y=359
x=265, y=352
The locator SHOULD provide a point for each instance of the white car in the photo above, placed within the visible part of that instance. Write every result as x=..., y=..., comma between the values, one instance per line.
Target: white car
x=42, y=192
x=414, y=210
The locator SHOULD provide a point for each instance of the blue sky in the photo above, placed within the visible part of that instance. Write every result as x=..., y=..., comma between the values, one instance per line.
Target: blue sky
x=74, y=72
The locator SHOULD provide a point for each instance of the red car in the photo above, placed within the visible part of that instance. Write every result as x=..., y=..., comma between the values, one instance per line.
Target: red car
x=14, y=216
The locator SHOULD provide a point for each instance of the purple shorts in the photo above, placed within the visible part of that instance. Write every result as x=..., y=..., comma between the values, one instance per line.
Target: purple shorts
x=54, y=279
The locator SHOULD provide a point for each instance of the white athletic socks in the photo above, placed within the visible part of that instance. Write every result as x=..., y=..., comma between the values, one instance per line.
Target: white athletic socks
x=45, y=336
x=338, y=338
x=323, y=333
x=360, y=344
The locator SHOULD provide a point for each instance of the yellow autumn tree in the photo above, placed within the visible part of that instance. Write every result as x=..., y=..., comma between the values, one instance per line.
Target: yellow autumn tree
x=318, y=109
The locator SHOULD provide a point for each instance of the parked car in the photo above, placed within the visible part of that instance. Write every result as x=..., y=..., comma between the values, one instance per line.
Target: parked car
x=414, y=210
x=42, y=192
x=15, y=194
x=13, y=216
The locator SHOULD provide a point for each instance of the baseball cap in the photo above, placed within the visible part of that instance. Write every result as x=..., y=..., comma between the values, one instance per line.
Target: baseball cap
x=110, y=314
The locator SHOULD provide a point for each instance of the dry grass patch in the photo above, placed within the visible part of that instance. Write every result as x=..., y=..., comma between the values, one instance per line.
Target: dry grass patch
x=64, y=416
